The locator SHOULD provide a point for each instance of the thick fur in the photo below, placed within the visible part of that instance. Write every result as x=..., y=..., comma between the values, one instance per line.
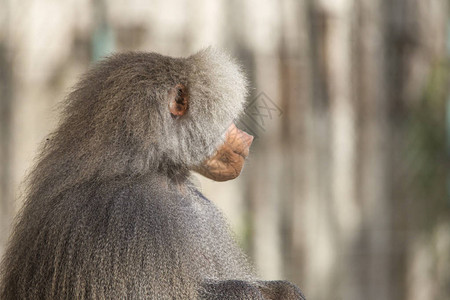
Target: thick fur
x=109, y=211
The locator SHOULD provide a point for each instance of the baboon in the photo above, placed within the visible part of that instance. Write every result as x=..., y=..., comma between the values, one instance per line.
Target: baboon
x=110, y=212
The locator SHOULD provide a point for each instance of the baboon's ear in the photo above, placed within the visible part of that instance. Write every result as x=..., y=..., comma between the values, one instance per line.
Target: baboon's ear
x=178, y=100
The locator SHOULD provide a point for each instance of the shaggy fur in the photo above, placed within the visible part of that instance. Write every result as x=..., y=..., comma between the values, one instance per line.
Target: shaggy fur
x=110, y=213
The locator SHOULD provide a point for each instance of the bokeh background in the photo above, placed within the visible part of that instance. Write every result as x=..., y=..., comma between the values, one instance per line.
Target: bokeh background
x=346, y=191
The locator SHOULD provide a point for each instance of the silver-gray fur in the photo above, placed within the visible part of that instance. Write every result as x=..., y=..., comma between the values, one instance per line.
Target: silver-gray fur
x=109, y=211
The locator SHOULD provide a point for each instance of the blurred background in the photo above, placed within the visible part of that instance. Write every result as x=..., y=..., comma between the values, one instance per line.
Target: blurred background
x=347, y=188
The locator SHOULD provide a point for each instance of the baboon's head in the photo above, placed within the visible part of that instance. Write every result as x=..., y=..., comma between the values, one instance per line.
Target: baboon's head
x=135, y=111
